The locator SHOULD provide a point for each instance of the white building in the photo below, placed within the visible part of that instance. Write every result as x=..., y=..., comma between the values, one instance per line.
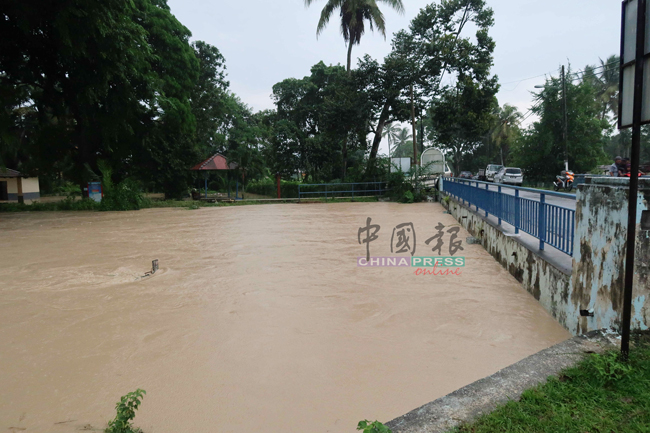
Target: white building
x=15, y=187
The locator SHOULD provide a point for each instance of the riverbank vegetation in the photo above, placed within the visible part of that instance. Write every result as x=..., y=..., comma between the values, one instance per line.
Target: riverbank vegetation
x=81, y=98
x=601, y=394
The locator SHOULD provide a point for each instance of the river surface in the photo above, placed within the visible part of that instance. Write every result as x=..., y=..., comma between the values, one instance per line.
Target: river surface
x=258, y=320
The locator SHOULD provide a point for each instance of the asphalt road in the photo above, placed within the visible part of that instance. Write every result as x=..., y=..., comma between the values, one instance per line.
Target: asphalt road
x=558, y=201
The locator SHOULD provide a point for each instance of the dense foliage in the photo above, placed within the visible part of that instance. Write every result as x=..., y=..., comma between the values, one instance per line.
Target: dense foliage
x=119, y=85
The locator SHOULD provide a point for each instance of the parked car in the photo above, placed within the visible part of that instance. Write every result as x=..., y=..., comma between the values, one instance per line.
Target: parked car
x=465, y=175
x=511, y=175
x=491, y=170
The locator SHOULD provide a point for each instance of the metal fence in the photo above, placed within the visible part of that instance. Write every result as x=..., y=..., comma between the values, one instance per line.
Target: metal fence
x=551, y=224
x=332, y=190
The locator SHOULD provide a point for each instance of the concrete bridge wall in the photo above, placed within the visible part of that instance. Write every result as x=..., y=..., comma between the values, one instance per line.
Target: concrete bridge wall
x=546, y=282
x=596, y=279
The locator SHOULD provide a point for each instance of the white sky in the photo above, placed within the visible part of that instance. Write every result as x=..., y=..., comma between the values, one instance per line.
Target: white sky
x=266, y=41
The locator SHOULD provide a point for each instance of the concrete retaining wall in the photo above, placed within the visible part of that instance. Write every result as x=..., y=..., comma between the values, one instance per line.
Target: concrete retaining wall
x=483, y=396
x=547, y=283
x=599, y=254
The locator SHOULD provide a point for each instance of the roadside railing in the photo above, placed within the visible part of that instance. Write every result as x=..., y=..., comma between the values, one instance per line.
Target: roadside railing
x=331, y=190
x=551, y=224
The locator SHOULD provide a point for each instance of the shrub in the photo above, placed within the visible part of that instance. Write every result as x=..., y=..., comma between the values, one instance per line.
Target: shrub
x=126, y=195
x=407, y=197
x=372, y=427
x=269, y=187
x=126, y=408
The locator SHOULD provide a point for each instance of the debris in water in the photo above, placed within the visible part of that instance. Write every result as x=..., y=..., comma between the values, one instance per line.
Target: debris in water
x=154, y=268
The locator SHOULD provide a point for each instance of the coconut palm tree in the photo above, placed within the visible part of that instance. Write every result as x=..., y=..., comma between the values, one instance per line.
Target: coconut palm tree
x=354, y=13
x=507, y=121
x=403, y=144
x=391, y=132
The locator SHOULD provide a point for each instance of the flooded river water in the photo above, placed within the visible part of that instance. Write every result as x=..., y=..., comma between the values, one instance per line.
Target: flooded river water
x=258, y=320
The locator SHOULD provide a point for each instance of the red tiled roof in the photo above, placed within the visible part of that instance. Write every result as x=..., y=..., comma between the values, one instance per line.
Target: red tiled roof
x=215, y=162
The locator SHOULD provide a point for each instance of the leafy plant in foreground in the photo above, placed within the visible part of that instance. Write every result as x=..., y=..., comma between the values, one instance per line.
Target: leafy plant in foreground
x=610, y=366
x=126, y=408
x=372, y=427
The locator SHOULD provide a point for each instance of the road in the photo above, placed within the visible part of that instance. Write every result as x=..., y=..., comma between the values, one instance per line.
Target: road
x=558, y=201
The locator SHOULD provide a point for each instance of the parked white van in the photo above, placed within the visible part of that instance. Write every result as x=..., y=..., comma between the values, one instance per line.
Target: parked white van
x=491, y=170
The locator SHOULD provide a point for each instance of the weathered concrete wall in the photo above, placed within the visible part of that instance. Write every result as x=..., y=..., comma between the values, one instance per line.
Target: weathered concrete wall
x=548, y=284
x=599, y=254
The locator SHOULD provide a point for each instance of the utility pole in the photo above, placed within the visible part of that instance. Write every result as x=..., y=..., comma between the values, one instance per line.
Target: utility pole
x=637, y=118
x=564, y=112
x=422, y=129
x=415, y=142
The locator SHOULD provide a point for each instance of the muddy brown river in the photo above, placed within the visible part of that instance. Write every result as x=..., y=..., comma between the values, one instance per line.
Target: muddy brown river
x=258, y=320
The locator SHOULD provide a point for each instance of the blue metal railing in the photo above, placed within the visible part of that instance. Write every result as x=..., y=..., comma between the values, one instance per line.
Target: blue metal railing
x=551, y=224
x=331, y=190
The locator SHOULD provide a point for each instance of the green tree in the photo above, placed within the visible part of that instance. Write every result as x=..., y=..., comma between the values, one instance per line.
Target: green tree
x=505, y=130
x=540, y=151
x=404, y=144
x=435, y=45
x=328, y=118
x=391, y=132
x=605, y=80
x=462, y=117
x=209, y=99
x=103, y=80
x=354, y=13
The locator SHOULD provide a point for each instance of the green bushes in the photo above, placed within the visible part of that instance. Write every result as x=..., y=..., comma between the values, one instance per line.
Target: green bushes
x=67, y=204
x=269, y=187
x=126, y=408
x=372, y=427
x=126, y=195
x=402, y=188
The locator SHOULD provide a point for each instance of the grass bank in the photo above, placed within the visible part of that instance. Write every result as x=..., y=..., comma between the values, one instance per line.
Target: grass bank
x=600, y=394
x=89, y=205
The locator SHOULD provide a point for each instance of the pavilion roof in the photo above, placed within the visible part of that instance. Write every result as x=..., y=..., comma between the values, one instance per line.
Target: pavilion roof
x=215, y=162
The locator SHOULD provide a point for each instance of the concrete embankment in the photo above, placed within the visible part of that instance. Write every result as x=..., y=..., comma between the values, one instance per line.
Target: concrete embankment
x=483, y=396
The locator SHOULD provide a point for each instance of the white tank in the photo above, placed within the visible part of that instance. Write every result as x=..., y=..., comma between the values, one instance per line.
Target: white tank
x=434, y=161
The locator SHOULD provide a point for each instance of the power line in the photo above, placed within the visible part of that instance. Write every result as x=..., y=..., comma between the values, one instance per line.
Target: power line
x=594, y=69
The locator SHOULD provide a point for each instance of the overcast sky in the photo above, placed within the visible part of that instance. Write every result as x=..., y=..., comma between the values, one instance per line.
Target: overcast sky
x=266, y=41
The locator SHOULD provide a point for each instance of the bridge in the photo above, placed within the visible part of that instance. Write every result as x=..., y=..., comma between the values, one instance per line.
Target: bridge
x=567, y=250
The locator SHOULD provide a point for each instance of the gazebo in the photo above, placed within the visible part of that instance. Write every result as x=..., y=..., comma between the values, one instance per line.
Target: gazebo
x=216, y=162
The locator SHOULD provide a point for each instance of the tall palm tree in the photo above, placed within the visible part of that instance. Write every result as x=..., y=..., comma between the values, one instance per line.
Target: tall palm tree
x=390, y=132
x=403, y=144
x=353, y=14
x=507, y=121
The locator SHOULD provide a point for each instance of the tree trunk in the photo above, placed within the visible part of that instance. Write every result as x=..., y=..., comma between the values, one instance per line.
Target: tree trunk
x=349, y=54
x=345, y=157
x=415, y=141
x=378, y=132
